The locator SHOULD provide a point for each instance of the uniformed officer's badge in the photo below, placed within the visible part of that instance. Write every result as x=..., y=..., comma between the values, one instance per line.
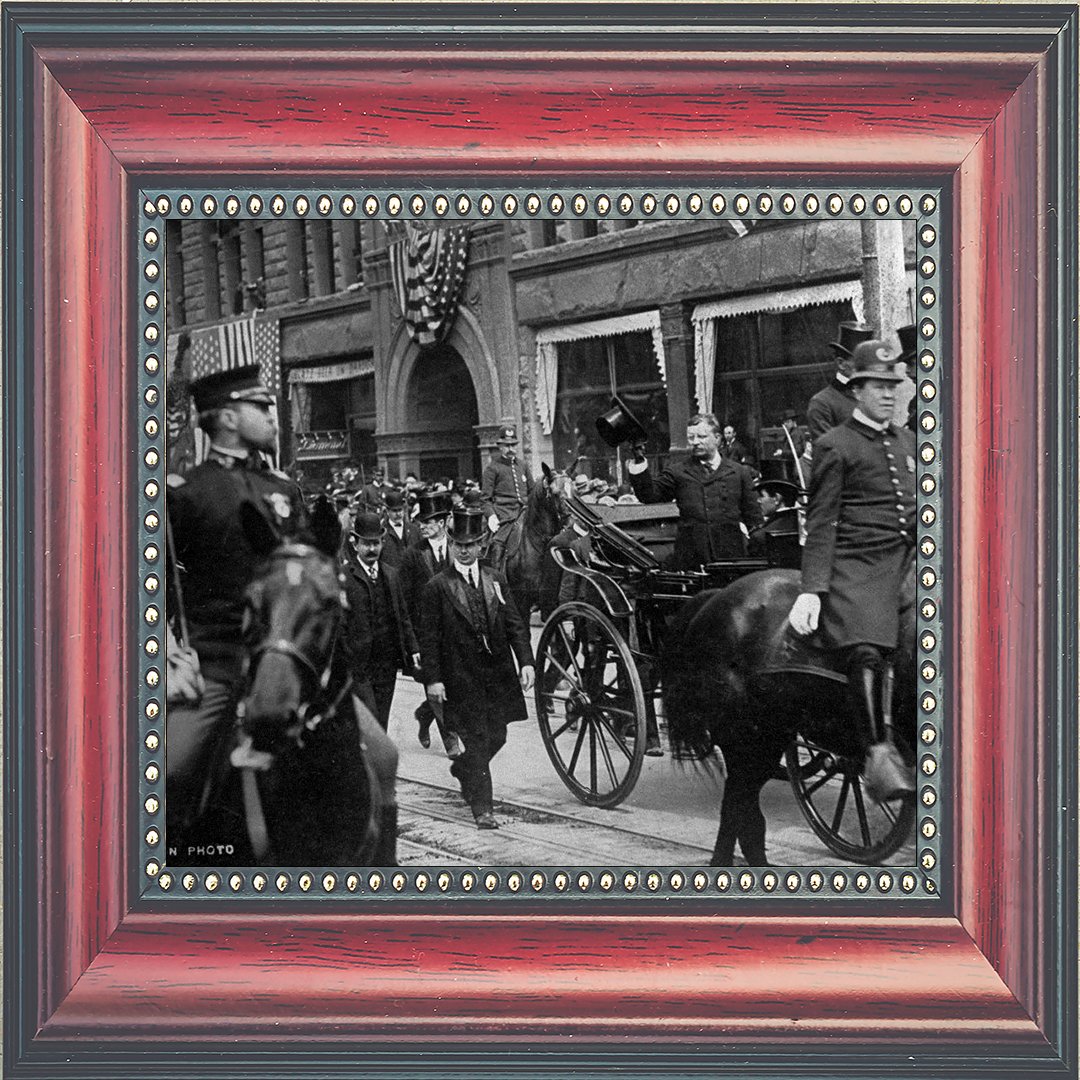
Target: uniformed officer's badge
x=910, y=464
x=280, y=504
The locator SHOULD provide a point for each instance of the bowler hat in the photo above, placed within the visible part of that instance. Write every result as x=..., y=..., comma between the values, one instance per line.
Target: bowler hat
x=229, y=387
x=433, y=504
x=619, y=425
x=909, y=342
x=874, y=360
x=506, y=434
x=368, y=526
x=467, y=527
x=394, y=498
x=850, y=334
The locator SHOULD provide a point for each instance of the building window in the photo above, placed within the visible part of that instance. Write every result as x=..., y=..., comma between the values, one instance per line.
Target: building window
x=296, y=259
x=350, y=253
x=591, y=371
x=770, y=362
x=321, y=256
x=211, y=269
x=228, y=245
x=254, y=284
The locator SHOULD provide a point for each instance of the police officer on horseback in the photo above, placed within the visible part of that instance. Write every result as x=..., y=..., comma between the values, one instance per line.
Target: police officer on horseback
x=504, y=490
x=858, y=553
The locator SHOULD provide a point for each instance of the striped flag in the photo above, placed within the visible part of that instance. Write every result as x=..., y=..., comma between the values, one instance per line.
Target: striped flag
x=428, y=267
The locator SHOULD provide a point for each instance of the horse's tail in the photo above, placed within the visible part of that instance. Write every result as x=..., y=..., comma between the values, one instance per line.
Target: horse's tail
x=690, y=696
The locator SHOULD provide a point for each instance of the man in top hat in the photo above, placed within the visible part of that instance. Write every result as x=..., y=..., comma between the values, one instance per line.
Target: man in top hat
x=428, y=556
x=504, y=488
x=380, y=632
x=715, y=496
x=477, y=660
x=401, y=533
x=835, y=403
x=904, y=414
x=214, y=563
x=859, y=548
x=777, y=539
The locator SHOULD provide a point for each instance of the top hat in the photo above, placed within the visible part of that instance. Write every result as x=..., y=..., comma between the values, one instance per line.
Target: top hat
x=228, y=387
x=468, y=527
x=909, y=342
x=619, y=424
x=850, y=334
x=780, y=487
x=790, y=414
x=506, y=435
x=775, y=469
x=367, y=526
x=874, y=360
x=433, y=504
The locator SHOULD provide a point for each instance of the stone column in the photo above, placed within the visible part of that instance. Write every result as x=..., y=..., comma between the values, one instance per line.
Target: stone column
x=884, y=279
x=678, y=333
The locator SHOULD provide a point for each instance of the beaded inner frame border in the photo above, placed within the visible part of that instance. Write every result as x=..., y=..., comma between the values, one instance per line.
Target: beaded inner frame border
x=926, y=881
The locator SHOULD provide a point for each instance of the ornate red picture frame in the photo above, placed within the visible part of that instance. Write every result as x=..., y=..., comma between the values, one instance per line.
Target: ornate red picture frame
x=102, y=104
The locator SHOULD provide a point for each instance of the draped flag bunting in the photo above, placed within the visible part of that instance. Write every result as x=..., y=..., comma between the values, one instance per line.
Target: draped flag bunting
x=428, y=267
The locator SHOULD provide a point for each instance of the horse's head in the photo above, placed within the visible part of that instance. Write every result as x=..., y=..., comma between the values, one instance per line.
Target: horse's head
x=293, y=612
x=547, y=504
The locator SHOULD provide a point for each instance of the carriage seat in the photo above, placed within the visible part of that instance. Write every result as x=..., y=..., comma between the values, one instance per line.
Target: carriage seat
x=789, y=653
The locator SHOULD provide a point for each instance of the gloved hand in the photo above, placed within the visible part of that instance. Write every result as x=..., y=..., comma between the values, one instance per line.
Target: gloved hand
x=493, y=523
x=805, y=613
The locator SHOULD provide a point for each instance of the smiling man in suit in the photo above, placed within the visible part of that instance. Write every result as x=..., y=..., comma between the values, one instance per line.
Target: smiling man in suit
x=476, y=659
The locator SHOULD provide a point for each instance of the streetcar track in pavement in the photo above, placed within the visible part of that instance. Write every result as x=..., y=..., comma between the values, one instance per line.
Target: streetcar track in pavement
x=572, y=847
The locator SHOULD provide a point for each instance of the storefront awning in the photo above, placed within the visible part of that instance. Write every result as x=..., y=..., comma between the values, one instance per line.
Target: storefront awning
x=547, y=355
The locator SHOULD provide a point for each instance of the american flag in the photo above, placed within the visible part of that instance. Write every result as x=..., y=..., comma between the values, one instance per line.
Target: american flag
x=427, y=267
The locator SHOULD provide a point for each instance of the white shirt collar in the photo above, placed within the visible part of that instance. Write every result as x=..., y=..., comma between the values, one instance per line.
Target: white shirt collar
x=862, y=418
x=470, y=573
x=237, y=454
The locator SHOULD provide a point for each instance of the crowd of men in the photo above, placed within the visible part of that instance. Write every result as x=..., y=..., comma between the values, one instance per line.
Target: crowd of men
x=420, y=600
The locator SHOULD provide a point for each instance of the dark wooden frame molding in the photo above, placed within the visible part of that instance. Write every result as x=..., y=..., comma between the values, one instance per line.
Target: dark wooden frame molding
x=104, y=102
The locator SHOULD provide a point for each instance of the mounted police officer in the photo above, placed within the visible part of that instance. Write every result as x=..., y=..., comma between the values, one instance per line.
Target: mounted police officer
x=859, y=549
x=715, y=496
x=504, y=491
x=834, y=403
x=214, y=565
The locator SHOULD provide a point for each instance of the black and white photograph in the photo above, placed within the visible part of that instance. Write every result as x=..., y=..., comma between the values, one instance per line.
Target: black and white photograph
x=567, y=541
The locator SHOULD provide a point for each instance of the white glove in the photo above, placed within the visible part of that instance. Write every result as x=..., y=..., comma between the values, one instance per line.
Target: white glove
x=493, y=523
x=804, y=613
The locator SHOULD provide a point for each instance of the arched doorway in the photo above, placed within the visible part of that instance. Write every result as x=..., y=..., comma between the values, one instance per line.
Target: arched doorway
x=441, y=412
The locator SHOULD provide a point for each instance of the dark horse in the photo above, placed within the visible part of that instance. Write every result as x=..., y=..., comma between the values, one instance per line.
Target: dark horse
x=531, y=576
x=301, y=790
x=717, y=695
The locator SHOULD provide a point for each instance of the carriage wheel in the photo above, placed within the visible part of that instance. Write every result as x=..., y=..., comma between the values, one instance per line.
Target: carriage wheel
x=590, y=704
x=829, y=791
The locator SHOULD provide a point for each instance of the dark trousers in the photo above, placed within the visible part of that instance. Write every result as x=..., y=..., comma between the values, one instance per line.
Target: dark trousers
x=473, y=768
x=383, y=679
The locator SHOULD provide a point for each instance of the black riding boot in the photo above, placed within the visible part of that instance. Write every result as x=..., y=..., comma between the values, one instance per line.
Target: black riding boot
x=885, y=775
x=386, y=849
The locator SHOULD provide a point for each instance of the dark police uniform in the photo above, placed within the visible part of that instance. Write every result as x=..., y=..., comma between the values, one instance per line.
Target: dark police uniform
x=215, y=566
x=860, y=530
x=504, y=491
x=711, y=503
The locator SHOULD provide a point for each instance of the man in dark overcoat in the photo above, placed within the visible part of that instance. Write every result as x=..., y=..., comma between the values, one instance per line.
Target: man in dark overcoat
x=859, y=549
x=476, y=658
x=401, y=533
x=715, y=496
x=425, y=558
x=834, y=403
x=382, y=641
x=504, y=491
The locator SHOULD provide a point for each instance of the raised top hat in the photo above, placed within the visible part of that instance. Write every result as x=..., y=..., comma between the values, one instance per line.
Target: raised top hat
x=433, y=504
x=228, y=387
x=619, y=425
x=394, y=498
x=367, y=526
x=506, y=435
x=849, y=335
x=909, y=342
x=467, y=527
x=874, y=360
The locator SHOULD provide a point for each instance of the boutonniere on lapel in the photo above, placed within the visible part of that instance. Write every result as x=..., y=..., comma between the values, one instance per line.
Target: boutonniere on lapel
x=498, y=592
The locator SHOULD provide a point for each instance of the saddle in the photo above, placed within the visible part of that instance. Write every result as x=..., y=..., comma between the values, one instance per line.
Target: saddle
x=789, y=653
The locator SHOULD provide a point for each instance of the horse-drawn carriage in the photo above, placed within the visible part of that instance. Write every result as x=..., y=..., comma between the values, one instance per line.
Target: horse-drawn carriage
x=602, y=662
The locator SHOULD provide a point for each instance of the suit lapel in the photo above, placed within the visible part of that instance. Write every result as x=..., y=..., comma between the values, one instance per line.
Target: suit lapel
x=455, y=589
x=487, y=585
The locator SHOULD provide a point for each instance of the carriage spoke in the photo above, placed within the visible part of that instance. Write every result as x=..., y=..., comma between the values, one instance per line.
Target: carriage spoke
x=592, y=756
x=620, y=741
x=824, y=779
x=860, y=807
x=568, y=725
x=889, y=812
x=566, y=674
x=841, y=803
x=578, y=743
x=607, y=760
x=619, y=712
x=570, y=652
